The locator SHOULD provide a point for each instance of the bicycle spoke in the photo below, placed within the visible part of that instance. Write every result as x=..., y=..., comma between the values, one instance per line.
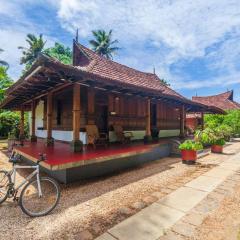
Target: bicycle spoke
x=36, y=205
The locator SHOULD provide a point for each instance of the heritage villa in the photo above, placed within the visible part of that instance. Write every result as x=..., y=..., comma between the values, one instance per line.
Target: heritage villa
x=95, y=99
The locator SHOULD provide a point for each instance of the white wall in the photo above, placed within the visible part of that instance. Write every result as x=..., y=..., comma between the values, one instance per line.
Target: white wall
x=68, y=135
x=169, y=133
x=138, y=135
x=56, y=134
x=62, y=135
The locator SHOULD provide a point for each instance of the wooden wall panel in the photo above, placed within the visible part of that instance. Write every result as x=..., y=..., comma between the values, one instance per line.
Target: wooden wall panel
x=167, y=116
x=130, y=111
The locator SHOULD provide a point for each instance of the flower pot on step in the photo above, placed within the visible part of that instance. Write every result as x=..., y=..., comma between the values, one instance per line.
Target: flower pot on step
x=189, y=156
x=216, y=148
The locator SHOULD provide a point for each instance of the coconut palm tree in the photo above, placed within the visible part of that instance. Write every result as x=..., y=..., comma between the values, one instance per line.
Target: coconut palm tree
x=30, y=54
x=2, y=62
x=103, y=43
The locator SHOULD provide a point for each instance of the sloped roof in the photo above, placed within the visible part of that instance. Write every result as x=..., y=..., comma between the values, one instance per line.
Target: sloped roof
x=92, y=69
x=222, y=100
x=107, y=68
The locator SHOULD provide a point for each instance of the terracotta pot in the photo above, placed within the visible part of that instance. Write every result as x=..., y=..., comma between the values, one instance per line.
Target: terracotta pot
x=189, y=156
x=216, y=148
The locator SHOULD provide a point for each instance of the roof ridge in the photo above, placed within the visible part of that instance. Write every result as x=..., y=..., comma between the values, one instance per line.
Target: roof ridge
x=216, y=95
x=110, y=60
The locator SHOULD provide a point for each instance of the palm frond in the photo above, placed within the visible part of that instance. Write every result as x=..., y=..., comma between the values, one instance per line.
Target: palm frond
x=94, y=43
x=103, y=44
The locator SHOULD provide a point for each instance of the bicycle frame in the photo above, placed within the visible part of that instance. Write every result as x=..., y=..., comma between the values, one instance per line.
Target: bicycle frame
x=29, y=177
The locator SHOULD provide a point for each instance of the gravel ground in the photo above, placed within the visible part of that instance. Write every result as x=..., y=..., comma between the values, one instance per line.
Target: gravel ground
x=224, y=223
x=88, y=208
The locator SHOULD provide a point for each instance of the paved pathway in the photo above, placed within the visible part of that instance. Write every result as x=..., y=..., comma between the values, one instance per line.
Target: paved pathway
x=154, y=221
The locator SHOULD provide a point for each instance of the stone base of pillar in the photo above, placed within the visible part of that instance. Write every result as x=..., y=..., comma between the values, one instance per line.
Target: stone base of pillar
x=33, y=138
x=76, y=146
x=147, y=139
x=49, y=142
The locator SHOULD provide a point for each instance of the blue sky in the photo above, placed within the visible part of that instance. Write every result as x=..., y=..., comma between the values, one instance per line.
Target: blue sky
x=193, y=44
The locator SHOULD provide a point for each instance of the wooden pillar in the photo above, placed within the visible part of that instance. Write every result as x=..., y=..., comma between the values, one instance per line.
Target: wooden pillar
x=148, y=137
x=182, y=121
x=91, y=106
x=21, y=133
x=76, y=144
x=49, y=140
x=33, y=109
x=202, y=120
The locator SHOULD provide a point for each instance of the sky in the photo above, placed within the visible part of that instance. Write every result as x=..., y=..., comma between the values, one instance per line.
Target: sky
x=193, y=44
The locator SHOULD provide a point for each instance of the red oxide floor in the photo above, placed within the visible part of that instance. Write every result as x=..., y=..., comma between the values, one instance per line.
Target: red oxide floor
x=60, y=153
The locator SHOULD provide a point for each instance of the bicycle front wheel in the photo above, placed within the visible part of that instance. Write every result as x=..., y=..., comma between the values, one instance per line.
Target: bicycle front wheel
x=36, y=203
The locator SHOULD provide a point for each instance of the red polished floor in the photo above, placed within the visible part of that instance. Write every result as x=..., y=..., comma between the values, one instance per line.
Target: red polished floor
x=60, y=153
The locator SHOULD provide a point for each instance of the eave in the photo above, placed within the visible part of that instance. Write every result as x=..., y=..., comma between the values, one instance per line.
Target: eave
x=48, y=74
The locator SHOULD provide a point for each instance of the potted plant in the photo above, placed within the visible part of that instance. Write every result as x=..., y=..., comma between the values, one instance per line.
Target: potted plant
x=217, y=145
x=189, y=150
x=226, y=131
x=204, y=136
x=213, y=137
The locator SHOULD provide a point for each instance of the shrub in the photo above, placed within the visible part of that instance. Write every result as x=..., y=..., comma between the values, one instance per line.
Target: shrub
x=190, y=145
x=9, y=124
x=213, y=120
x=220, y=142
x=225, y=130
x=204, y=136
x=210, y=136
x=230, y=120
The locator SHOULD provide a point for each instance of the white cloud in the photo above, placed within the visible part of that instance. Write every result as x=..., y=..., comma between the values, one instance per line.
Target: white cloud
x=152, y=33
x=223, y=81
x=185, y=28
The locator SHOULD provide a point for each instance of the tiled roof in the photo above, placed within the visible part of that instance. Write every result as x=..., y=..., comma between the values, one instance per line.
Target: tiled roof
x=223, y=101
x=106, y=68
x=91, y=67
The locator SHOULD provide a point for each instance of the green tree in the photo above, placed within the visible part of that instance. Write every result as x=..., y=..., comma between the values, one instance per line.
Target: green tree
x=5, y=82
x=30, y=53
x=2, y=62
x=103, y=43
x=60, y=52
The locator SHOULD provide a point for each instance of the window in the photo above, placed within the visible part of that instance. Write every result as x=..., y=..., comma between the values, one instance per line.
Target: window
x=59, y=112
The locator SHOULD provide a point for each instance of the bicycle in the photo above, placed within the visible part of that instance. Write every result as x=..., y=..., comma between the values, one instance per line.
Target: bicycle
x=38, y=196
